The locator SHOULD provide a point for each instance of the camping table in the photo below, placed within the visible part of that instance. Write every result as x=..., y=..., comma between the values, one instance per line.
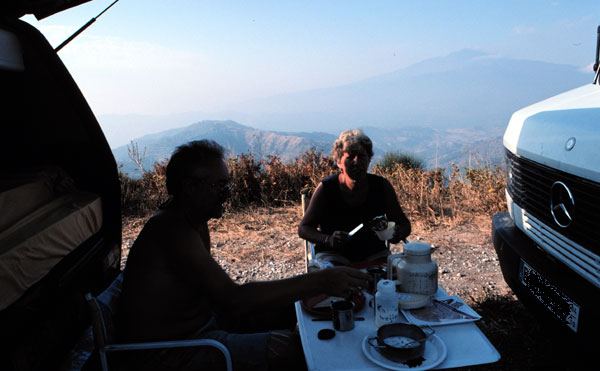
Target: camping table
x=465, y=343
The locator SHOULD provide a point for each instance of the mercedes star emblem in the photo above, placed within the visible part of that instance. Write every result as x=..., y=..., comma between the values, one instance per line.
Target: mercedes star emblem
x=562, y=204
x=570, y=143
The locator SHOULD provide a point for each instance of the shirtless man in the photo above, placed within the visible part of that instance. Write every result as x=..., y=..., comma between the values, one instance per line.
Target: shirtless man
x=173, y=288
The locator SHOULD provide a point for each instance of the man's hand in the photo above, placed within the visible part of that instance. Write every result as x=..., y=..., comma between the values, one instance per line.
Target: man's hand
x=343, y=281
x=338, y=239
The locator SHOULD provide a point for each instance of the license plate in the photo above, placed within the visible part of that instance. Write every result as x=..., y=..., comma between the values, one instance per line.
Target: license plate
x=559, y=304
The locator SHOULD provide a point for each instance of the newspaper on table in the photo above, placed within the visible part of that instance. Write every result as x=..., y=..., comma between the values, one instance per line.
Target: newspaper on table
x=442, y=311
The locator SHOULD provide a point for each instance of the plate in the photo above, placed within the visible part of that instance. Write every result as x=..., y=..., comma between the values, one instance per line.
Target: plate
x=442, y=311
x=435, y=353
x=412, y=301
x=308, y=304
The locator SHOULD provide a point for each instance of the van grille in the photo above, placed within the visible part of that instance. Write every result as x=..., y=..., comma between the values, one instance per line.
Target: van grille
x=530, y=187
x=573, y=255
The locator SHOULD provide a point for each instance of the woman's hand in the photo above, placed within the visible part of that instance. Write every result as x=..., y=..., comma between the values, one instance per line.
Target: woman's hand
x=396, y=237
x=337, y=239
x=401, y=231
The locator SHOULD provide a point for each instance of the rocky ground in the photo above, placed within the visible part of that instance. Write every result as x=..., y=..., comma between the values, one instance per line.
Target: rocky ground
x=263, y=244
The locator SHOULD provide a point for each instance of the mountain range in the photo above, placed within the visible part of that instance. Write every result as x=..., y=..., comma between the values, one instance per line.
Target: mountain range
x=447, y=109
x=236, y=139
x=465, y=89
x=436, y=147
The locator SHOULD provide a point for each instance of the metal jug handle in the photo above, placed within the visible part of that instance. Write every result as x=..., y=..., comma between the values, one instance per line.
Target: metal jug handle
x=428, y=330
x=391, y=260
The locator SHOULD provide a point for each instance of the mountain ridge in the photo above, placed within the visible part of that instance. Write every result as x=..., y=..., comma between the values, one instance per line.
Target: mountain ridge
x=438, y=109
x=437, y=147
x=234, y=137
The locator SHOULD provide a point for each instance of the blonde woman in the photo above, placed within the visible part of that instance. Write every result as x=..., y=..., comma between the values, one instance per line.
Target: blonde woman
x=343, y=201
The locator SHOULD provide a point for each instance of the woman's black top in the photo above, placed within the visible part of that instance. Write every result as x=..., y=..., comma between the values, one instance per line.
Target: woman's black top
x=339, y=216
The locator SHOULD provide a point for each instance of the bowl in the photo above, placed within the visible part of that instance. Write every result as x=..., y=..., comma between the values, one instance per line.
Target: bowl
x=401, y=342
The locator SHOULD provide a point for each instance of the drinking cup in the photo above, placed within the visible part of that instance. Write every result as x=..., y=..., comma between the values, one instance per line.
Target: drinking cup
x=387, y=234
x=343, y=315
x=377, y=273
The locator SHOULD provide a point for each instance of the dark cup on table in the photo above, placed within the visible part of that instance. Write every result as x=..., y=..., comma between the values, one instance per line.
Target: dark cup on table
x=377, y=273
x=342, y=312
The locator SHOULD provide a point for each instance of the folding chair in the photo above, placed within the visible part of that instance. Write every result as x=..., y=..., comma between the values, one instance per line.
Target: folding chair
x=309, y=247
x=103, y=309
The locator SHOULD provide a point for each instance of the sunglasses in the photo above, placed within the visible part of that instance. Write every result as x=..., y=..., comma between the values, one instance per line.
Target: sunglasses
x=223, y=187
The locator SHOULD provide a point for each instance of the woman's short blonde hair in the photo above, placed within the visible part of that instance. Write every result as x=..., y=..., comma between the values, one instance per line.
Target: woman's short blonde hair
x=351, y=139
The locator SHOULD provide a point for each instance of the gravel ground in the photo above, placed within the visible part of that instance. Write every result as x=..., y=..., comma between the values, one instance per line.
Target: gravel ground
x=263, y=244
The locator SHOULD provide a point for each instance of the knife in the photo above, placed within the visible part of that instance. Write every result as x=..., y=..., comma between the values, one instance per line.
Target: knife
x=358, y=227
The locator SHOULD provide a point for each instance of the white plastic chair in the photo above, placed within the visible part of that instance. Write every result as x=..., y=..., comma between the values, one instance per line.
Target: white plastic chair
x=102, y=309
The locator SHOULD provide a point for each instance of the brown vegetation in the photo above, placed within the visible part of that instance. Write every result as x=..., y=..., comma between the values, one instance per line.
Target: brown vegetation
x=430, y=196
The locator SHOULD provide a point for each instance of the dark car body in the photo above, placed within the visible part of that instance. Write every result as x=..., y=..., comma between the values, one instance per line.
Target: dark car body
x=548, y=293
x=46, y=123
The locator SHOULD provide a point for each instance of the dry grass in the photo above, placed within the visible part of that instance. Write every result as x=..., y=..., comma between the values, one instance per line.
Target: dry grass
x=436, y=198
x=430, y=196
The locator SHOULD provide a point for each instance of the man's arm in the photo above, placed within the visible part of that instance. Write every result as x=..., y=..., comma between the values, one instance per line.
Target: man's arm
x=194, y=264
x=338, y=281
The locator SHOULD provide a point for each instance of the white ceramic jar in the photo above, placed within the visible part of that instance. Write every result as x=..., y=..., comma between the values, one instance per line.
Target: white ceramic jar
x=386, y=303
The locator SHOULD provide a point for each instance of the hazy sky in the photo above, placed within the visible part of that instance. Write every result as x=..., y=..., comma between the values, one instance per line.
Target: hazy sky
x=172, y=56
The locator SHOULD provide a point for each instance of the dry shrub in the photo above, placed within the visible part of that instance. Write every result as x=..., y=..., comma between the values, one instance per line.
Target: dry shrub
x=271, y=182
x=142, y=196
x=421, y=193
x=284, y=182
x=430, y=196
x=245, y=176
x=487, y=185
x=425, y=195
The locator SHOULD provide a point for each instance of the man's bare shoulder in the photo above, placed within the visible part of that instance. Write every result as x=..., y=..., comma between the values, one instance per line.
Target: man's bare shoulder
x=167, y=226
x=168, y=221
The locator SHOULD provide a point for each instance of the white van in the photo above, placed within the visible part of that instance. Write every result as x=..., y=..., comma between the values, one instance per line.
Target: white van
x=548, y=243
x=60, y=217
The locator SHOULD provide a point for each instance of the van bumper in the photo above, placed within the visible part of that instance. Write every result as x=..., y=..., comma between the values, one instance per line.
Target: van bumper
x=547, y=287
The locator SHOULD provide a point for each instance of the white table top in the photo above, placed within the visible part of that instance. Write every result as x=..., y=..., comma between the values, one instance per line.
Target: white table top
x=466, y=344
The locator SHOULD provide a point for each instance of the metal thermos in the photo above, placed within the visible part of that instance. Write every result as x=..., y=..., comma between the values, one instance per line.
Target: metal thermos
x=416, y=272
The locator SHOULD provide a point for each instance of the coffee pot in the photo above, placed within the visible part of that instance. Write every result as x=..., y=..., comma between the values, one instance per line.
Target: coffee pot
x=416, y=273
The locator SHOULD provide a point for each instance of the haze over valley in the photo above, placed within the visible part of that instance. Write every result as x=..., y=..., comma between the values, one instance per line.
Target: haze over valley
x=451, y=109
